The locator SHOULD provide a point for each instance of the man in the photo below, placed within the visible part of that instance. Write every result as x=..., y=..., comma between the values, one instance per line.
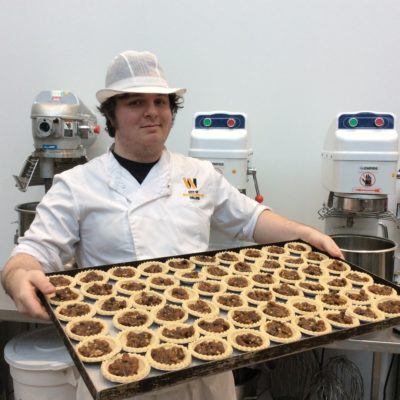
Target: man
x=131, y=203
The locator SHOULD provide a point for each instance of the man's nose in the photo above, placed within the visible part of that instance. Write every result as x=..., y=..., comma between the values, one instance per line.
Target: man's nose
x=151, y=109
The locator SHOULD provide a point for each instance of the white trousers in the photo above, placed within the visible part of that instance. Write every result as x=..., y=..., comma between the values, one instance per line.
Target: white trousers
x=213, y=387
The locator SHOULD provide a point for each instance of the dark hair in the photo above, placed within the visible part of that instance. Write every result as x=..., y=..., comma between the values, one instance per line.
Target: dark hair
x=107, y=109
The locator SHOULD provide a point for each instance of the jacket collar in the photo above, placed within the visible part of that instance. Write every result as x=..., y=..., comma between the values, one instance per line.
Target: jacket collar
x=157, y=183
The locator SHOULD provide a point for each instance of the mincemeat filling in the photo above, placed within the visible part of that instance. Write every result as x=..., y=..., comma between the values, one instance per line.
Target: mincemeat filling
x=286, y=290
x=100, y=289
x=219, y=325
x=178, y=332
x=242, y=266
x=260, y=295
x=297, y=247
x=64, y=294
x=217, y=271
x=248, y=340
x=360, y=296
x=380, y=290
x=237, y=281
x=333, y=299
x=210, y=348
x=314, y=256
x=132, y=318
x=126, y=365
x=95, y=348
x=124, y=272
x=133, y=286
x=311, y=286
x=366, y=312
x=279, y=329
x=313, y=270
x=275, y=310
x=297, y=260
x=228, y=257
x=138, y=339
x=181, y=264
x=390, y=306
x=205, y=258
x=264, y=279
x=311, y=324
x=271, y=264
x=153, y=269
x=161, y=281
x=341, y=317
x=59, y=281
x=168, y=313
x=191, y=275
x=209, y=287
x=91, y=277
x=113, y=304
x=336, y=266
x=306, y=307
x=289, y=274
x=253, y=253
x=230, y=300
x=357, y=277
x=338, y=282
x=246, y=317
x=180, y=293
x=200, y=306
x=87, y=328
x=276, y=250
x=147, y=299
x=172, y=355
x=75, y=310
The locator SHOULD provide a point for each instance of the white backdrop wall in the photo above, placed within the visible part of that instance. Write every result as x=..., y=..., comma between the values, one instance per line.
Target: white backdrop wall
x=291, y=65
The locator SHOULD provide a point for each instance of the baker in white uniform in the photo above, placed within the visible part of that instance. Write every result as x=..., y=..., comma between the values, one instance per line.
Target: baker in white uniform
x=133, y=203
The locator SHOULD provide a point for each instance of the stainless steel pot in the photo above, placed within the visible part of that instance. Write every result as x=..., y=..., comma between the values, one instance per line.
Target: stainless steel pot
x=372, y=253
x=26, y=214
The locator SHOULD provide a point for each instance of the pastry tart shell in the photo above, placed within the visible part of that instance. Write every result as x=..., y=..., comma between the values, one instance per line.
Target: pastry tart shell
x=169, y=367
x=62, y=317
x=81, y=275
x=99, y=303
x=231, y=317
x=144, y=370
x=144, y=313
x=296, y=334
x=50, y=297
x=132, y=271
x=123, y=339
x=214, y=308
x=328, y=326
x=173, y=325
x=227, y=348
x=70, y=325
x=113, y=343
x=120, y=283
x=192, y=294
x=232, y=339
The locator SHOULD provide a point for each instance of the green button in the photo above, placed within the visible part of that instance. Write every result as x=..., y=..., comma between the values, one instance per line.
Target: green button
x=353, y=122
x=207, y=122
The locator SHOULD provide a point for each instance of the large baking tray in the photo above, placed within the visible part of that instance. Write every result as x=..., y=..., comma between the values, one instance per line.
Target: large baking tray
x=101, y=389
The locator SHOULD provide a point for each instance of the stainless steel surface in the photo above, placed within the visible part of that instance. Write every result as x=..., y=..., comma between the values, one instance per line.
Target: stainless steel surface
x=384, y=341
x=375, y=254
x=26, y=214
x=360, y=203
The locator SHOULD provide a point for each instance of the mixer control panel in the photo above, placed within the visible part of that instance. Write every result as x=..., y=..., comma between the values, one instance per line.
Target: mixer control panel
x=220, y=121
x=366, y=120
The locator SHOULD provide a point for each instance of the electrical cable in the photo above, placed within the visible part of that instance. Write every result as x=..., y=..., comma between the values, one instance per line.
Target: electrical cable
x=387, y=376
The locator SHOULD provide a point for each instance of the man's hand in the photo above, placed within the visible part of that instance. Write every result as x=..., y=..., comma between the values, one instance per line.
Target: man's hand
x=21, y=278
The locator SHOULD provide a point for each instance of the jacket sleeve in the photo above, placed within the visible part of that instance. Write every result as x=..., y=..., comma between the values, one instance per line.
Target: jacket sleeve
x=54, y=233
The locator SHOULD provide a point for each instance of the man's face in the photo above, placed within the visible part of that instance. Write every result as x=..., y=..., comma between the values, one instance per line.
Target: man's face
x=142, y=123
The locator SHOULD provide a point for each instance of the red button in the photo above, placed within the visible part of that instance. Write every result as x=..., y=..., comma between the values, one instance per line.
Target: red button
x=379, y=121
x=231, y=122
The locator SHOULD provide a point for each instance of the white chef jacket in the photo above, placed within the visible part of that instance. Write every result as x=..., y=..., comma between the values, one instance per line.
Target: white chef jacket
x=99, y=214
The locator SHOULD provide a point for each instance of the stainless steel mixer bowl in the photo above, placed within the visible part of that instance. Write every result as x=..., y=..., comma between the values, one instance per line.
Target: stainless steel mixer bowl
x=26, y=214
x=372, y=253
